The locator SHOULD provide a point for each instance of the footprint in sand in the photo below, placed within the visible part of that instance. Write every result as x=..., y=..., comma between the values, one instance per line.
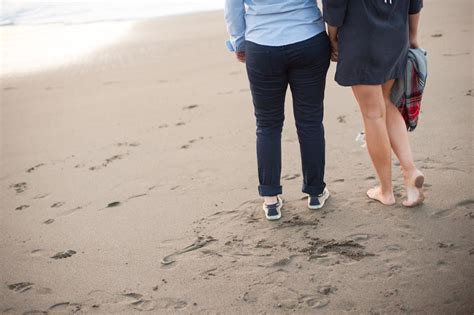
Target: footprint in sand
x=41, y=196
x=139, y=303
x=71, y=211
x=315, y=301
x=190, y=107
x=391, y=248
x=19, y=187
x=327, y=289
x=65, y=308
x=443, y=213
x=437, y=35
x=20, y=287
x=290, y=176
x=341, y=119
x=295, y=220
x=445, y=245
x=190, y=142
x=134, y=301
x=34, y=168
x=10, y=88
x=350, y=248
x=22, y=207
x=171, y=303
x=64, y=254
x=468, y=203
x=49, y=221
x=112, y=205
x=58, y=204
x=108, y=161
x=390, y=292
x=128, y=144
x=180, y=123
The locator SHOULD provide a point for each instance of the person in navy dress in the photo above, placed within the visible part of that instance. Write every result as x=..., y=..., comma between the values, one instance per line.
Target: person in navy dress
x=370, y=41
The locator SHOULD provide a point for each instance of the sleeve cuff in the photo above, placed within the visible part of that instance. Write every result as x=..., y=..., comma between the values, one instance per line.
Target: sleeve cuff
x=234, y=47
x=333, y=22
x=334, y=12
x=229, y=46
x=415, y=6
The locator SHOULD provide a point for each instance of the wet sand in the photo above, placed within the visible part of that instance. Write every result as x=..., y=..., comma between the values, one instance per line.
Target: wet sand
x=128, y=184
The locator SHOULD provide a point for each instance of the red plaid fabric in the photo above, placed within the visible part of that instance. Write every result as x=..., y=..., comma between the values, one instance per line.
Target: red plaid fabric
x=409, y=103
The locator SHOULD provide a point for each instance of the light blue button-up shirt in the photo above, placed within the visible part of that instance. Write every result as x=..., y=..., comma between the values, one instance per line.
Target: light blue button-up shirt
x=271, y=22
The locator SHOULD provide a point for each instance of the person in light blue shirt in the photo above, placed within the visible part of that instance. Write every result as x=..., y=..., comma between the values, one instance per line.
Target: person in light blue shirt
x=270, y=22
x=284, y=43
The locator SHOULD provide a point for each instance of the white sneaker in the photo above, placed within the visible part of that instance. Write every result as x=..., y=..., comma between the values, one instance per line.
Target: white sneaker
x=273, y=212
x=317, y=202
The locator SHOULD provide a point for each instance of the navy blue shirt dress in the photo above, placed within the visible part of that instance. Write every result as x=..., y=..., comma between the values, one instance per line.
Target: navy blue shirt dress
x=373, y=38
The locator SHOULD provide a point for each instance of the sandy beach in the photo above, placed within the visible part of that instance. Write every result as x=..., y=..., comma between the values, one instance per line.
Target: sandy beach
x=128, y=184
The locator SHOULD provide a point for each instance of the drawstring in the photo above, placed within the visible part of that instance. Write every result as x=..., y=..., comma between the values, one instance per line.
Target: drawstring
x=388, y=1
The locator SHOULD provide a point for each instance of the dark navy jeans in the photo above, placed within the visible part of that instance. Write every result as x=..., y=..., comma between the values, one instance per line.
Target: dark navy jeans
x=303, y=66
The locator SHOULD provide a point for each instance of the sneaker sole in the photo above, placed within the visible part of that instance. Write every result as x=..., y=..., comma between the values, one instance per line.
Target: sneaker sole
x=322, y=203
x=274, y=217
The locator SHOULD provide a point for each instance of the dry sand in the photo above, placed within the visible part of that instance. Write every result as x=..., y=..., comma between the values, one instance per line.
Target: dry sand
x=148, y=146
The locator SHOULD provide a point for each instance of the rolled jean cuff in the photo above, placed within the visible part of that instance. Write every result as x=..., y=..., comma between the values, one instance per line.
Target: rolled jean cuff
x=269, y=191
x=313, y=190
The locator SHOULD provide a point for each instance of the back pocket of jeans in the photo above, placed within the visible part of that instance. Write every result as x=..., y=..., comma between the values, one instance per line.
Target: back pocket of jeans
x=259, y=62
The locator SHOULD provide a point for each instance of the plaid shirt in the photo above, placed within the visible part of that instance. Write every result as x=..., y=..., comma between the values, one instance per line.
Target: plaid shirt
x=407, y=93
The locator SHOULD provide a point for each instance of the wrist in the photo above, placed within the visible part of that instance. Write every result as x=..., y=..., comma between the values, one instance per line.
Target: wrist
x=414, y=43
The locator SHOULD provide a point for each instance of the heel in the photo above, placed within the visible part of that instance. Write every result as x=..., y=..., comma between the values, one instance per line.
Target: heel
x=419, y=181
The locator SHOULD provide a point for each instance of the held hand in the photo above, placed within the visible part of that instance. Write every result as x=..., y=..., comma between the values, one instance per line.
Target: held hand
x=240, y=56
x=334, y=51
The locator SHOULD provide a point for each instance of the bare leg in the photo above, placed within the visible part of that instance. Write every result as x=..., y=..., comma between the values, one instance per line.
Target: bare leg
x=372, y=106
x=399, y=141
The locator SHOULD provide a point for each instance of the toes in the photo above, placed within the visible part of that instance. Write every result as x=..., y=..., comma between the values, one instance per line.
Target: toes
x=372, y=193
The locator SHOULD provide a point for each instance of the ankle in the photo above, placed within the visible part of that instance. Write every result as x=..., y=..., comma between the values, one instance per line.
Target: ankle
x=386, y=191
x=270, y=200
x=409, y=171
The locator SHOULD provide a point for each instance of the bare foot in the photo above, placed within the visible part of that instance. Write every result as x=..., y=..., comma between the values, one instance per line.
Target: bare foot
x=387, y=199
x=414, y=187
